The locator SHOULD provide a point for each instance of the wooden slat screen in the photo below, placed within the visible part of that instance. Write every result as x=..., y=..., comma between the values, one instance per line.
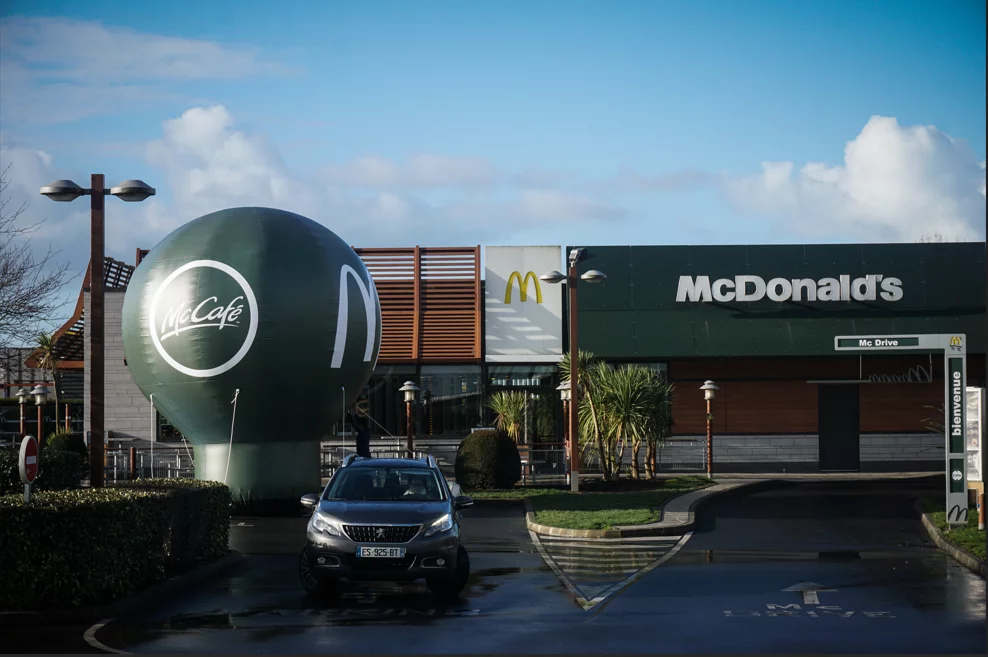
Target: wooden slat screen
x=430, y=303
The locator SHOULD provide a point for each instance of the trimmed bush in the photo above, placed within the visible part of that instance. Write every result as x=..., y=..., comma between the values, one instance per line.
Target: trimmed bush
x=93, y=546
x=64, y=441
x=56, y=471
x=487, y=460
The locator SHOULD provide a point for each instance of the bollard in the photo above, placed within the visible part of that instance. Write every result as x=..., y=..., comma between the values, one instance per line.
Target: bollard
x=981, y=511
x=133, y=463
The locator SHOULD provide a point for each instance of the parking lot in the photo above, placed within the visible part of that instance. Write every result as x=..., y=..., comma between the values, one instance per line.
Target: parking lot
x=804, y=568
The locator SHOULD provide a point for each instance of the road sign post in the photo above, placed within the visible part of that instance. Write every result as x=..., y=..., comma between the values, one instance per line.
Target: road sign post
x=954, y=348
x=27, y=464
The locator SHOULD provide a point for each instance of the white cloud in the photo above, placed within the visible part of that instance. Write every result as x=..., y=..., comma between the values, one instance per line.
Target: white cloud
x=419, y=171
x=896, y=183
x=210, y=164
x=58, y=69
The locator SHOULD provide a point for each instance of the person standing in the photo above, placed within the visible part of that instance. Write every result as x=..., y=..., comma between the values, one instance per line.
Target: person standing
x=361, y=427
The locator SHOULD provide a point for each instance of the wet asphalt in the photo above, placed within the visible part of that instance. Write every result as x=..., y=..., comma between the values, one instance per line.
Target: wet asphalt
x=884, y=589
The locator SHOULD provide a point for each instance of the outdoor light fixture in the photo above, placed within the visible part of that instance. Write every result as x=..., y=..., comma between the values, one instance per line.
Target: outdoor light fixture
x=572, y=396
x=708, y=389
x=40, y=393
x=409, y=389
x=66, y=191
x=22, y=396
x=564, y=392
x=553, y=277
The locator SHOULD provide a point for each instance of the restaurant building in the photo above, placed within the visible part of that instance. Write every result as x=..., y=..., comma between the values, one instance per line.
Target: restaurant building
x=761, y=321
x=465, y=323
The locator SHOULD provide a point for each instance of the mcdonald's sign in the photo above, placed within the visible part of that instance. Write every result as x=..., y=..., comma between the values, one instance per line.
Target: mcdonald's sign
x=523, y=287
x=955, y=342
x=523, y=321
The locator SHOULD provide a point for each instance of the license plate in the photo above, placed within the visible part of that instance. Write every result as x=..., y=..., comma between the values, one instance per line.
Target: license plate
x=381, y=552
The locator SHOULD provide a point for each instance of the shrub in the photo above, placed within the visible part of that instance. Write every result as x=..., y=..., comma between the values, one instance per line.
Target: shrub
x=487, y=460
x=92, y=546
x=56, y=471
x=64, y=441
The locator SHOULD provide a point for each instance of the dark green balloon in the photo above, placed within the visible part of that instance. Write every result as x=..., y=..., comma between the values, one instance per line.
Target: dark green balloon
x=251, y=299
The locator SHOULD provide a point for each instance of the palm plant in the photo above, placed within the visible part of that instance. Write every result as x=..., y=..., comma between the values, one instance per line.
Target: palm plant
x=48, y=361
x=626, y=396
x=509, y=411
x=592, y=438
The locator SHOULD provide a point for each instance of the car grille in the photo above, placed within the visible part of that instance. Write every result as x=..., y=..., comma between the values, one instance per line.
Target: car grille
x=380, y=534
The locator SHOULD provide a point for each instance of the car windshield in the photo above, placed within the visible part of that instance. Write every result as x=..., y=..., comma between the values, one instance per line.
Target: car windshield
x=385, y=484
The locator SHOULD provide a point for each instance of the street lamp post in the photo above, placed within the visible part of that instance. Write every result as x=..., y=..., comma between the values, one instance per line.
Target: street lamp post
x=708, y=389
x=65, y=191
x=564, y=395
x=22, y=396
x=409, y=389
x=40, y=393
x=572, y=278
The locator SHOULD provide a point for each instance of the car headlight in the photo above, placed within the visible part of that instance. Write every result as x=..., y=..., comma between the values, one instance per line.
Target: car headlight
x=444, y=524
x=323, y=524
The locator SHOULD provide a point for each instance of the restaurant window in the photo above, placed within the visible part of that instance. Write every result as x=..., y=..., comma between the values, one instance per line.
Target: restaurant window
x=536, y=382
x=450, y=400
x=384, y=404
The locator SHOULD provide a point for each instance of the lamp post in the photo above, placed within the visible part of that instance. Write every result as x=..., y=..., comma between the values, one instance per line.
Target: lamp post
x=40, y=393
x=409, y=389
x=22, y=396
x=572, y=278
x=708, y=389
x=65, y=191
x=564, y=395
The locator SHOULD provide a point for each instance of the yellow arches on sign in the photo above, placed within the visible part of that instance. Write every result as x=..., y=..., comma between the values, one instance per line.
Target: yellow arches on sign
x=523, y=287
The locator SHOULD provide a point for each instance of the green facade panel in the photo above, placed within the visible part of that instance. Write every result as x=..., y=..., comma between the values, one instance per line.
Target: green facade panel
x=635, y=312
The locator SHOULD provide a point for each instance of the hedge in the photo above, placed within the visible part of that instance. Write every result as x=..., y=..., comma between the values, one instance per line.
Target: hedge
x=57, y=470
x=92, y=546
x=487, y=460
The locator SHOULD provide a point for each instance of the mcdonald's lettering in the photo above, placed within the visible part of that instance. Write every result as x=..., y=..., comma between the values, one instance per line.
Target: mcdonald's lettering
x=955, y=341
x=523, y=287
x=957, y=514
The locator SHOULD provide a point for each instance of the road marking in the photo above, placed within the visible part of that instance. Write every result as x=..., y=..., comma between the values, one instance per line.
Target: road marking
x=810, y=591
x=580, y=578
x=90, y=637
x=794, y=610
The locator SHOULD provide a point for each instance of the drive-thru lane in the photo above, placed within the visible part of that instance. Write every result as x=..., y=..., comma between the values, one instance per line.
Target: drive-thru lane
x=823, y=567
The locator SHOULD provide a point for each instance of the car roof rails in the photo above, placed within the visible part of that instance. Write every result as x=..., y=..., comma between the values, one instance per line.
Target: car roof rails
x=431, y=460
x=350, y=458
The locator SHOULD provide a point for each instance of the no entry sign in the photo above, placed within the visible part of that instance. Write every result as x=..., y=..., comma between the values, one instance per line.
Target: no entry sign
x=28, y=463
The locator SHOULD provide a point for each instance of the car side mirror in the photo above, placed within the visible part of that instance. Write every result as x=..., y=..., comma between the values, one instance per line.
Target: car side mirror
x=310, y=501
x=462, y=502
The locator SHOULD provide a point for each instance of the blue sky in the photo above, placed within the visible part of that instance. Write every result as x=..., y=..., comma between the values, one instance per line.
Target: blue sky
x=629, y=122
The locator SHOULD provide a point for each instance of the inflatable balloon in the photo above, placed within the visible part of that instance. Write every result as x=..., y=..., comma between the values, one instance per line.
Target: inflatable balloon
x=251, y=330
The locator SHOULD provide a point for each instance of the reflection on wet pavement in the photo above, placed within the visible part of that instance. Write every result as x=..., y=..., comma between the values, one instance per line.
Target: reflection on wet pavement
x=595, y=568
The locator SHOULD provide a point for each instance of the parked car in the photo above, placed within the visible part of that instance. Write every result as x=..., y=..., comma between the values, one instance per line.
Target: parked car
x=394, y=520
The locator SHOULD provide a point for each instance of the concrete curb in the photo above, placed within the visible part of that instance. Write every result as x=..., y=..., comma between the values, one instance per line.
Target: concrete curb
x=959, y=555
x=673, y=522
x=152, y=593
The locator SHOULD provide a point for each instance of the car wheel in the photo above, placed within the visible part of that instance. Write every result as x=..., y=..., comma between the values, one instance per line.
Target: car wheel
x=313, y=584
x=450, y=588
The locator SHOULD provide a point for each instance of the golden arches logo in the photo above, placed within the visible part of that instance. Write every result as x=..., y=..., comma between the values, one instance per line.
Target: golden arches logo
x=523, y=287
x=955, y=341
